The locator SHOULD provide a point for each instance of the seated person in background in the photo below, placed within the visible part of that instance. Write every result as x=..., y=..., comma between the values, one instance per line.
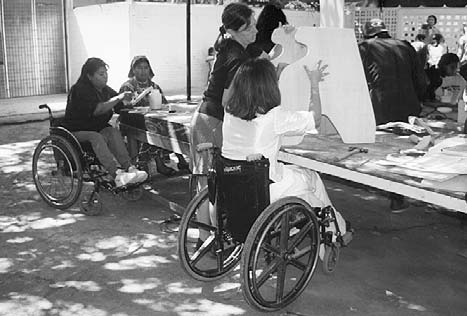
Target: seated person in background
x=451, y=85
x=140, y=76
x=89, y=108
x=421, y=49
x=254, y=123
x=436, y=49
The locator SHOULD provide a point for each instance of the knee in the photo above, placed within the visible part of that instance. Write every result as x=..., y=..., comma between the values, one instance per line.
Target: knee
x=98, y=141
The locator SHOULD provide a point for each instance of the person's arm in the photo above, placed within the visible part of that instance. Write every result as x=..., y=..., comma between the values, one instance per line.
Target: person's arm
x=418, y=74
x=316, y=76
x=103, y=107
x=460, y=48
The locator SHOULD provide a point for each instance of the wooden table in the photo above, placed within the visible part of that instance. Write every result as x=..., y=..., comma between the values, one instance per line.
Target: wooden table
x=171, y=131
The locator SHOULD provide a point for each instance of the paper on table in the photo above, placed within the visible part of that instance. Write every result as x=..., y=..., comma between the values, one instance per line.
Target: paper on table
x=141, y=95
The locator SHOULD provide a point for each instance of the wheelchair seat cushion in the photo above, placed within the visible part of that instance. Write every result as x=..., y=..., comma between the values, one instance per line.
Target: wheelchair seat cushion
x=242, y=193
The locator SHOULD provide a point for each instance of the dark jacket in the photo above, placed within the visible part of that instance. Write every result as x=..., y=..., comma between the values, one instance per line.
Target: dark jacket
x=81, y=104
x=229, y=58
x=395, y=78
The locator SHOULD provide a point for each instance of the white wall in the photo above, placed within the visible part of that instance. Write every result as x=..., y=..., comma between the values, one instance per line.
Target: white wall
x=100, y=31
x=116, y=32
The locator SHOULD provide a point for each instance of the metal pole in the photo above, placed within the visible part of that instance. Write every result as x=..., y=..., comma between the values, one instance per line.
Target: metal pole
x=5, y=55
x=188, y=50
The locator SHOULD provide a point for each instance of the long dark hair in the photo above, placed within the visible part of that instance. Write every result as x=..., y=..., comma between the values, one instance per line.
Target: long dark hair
x=90, y=67
x=233, y=17
x=254, y=89
x=268, y=21
x=445, y=60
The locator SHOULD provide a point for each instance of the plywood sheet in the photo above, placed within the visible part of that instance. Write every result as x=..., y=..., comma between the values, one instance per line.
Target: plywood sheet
x=345, y=99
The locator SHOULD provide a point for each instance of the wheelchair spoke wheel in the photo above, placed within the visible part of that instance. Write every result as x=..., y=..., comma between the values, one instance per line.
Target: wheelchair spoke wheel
x=330, y=258
x=280, y=255
x=205, y=253
x=57, y=172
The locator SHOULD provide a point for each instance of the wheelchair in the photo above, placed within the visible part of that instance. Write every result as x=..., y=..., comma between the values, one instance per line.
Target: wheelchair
x=277, y=244
x=60, y=166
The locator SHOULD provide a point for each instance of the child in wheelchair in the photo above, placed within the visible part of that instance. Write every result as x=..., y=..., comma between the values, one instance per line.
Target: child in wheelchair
x=254, y=123
x=89, y=108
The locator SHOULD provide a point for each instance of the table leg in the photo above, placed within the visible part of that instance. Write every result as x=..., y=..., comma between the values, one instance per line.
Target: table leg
x=132, y=146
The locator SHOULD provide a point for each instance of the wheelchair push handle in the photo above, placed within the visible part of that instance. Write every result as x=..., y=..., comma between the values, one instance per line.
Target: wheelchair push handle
x=45, y=106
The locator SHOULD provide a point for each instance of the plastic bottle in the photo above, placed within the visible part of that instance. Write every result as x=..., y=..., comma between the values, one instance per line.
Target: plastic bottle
x=155, y=100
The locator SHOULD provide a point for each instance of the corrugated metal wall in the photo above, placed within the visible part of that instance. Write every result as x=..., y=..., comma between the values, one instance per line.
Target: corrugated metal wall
x=33, y=48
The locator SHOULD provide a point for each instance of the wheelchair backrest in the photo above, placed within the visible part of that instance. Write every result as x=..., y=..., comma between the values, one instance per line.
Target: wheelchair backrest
x=242, y=192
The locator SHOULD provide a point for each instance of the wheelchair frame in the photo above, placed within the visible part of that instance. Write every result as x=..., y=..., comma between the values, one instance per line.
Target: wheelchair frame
x=72, y=165
x=279, y=255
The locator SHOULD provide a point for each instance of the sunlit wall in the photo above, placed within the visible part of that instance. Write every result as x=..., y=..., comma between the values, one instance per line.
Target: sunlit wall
x=118, y=31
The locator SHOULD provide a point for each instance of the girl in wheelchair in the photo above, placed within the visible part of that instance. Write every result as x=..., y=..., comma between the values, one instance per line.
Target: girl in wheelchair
x=255, y=123
x=89, y=108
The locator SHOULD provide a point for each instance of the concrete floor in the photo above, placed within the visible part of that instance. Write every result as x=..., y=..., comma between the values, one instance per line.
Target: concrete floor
x=125, y=263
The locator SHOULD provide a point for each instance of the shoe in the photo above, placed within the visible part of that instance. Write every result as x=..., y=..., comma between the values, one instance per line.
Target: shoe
x=140, y=175
x=182, y=164
x=162, y=168
x=123, y=178
x=166, y=171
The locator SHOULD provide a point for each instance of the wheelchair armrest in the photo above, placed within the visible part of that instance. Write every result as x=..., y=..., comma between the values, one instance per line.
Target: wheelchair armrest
x=254, y=157
x=204, y=146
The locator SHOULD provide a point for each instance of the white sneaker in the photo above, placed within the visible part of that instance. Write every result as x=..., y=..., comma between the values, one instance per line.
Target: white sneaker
x=123, y=178
x=140, y=175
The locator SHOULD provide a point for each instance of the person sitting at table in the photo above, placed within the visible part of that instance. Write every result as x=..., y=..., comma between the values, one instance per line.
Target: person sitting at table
x=255, y=123
x=140, y=78
x=450, y=86
x=89, y=108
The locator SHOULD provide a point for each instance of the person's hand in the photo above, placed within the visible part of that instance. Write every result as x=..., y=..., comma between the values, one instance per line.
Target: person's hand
x=316, y=75
x=126, y=96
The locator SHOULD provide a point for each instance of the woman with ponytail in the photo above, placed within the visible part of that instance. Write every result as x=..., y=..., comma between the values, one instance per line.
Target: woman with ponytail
x=237, y=31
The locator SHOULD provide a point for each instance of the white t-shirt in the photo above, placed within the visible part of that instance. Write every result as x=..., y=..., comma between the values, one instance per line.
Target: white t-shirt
x=451, y=90
x=435, y=53
x=263, y=135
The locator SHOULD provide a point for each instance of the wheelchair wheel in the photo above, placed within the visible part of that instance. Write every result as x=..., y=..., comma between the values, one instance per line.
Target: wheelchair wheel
x=211, y=259
x=280, y=255
x=133, y=194
x=57, y=172
x=331, y=257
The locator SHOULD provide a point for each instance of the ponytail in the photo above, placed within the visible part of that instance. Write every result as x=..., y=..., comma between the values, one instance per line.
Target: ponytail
x=220, y=38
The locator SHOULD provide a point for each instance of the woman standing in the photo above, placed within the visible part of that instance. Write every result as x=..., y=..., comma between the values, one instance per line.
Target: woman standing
x=238, y=30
